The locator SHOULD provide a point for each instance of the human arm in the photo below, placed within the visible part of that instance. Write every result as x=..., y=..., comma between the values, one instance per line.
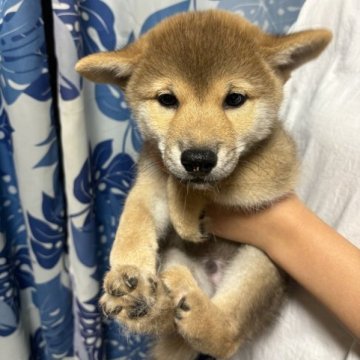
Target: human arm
x=313, y=253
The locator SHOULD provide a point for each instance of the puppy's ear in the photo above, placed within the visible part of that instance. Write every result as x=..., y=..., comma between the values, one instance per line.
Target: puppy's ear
x=114, y=67
x=286, y=53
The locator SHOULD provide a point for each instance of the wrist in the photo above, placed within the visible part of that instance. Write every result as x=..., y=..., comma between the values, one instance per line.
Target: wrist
x=276, y=228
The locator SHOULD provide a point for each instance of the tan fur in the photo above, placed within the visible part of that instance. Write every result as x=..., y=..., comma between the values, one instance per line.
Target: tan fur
x=200, y=57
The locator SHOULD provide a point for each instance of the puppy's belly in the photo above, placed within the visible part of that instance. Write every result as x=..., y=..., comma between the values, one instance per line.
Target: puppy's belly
x=214, y=270
x=207, y=261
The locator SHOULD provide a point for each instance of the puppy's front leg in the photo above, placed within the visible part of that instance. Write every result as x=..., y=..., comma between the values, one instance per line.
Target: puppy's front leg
x=132, y=292
x=186, y=208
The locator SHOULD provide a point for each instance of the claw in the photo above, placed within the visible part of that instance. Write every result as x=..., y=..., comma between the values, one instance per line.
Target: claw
x=113, y=312
x=153, y=285
x=116, y=292
x=131, y=282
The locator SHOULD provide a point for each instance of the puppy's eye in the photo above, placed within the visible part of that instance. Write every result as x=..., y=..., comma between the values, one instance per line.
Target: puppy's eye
x=168, y=100
x=234, y=100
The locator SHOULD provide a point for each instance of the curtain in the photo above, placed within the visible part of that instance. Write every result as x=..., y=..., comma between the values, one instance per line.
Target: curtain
x=67, y=154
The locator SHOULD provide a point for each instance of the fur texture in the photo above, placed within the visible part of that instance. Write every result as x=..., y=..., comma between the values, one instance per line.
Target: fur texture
x=167, y=277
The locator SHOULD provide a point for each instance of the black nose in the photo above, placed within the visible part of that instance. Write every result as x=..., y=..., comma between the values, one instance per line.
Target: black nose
x=198, y=161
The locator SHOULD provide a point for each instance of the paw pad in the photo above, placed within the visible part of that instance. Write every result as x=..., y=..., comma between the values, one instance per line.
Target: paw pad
x=139, y=309
x=183, y=305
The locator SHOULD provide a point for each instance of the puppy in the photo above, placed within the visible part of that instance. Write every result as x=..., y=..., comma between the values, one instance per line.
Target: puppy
x=205, y=88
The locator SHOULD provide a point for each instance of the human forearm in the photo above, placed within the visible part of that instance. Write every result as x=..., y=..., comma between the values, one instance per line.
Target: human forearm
x=320, y=259
x=313, y=253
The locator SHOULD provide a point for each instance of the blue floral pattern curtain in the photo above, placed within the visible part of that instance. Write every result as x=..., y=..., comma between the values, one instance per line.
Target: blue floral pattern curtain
x=67, y=155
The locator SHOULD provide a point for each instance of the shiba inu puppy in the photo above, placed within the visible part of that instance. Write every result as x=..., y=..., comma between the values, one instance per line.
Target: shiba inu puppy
x=205, y=88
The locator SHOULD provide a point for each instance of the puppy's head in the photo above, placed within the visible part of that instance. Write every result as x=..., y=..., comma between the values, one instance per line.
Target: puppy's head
x=205, y=86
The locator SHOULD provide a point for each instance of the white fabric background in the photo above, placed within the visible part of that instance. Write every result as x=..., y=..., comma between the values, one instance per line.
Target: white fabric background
x=322, y=111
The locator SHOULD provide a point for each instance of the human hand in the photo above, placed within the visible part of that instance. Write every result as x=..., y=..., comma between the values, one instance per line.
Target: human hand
x=254, y=228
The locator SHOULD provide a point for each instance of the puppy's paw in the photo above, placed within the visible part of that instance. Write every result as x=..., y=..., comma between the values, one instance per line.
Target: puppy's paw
x=139, y=301
x=128, y=287
x=207, y=328
x=195, y=232
x=181, y=287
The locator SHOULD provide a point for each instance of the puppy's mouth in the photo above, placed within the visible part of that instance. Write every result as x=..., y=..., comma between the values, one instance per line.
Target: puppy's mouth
x=197, y=181
x=201, y=180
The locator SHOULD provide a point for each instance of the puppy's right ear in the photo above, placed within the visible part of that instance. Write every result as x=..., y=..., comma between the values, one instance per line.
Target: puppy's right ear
x=113, y=67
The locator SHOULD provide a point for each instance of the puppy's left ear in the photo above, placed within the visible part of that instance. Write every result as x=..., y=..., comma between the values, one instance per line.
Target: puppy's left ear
x=286, y=53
